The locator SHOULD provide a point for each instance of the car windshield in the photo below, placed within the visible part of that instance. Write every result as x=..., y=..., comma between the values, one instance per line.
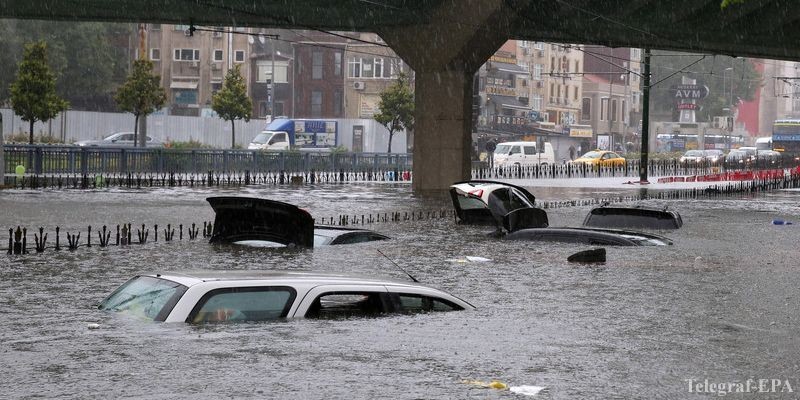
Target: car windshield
x=144, y=297
x=261, y=138
x=502, y=149
x=592, y=154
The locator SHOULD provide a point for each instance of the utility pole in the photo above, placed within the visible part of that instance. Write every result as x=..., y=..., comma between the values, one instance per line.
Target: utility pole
x=271, y=86
x=645, y=119
x=142, y=139
x=610, y=114
x=2, y=156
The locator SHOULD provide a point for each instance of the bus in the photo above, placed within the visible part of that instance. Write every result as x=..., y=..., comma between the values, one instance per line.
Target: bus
x=666, y=142
x=786, y=137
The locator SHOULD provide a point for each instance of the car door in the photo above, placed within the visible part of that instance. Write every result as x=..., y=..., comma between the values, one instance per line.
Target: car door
x=344, y=301
x=125, y=140
x=530, y=156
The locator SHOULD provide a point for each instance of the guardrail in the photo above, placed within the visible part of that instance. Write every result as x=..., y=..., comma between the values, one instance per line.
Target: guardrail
x=71, y=160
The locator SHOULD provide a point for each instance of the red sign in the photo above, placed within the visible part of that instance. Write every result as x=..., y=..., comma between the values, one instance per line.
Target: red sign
x=687, y=106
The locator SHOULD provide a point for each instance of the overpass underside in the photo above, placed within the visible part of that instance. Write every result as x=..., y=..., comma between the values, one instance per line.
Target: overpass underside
x=446, y=41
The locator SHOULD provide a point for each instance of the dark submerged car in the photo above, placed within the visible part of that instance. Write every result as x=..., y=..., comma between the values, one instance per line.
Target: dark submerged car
x=269, y=223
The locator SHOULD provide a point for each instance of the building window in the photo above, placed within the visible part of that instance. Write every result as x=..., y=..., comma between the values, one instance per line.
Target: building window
x=337, y=66
x=395, y=67
x=614, y=110
x=366, y=67
x=180, y=28
x=538, y=45
x=537, y=71
x=184, y=96
x=624, y=111
x=279, y=109
x=586, y=109
x=155, y=54
x=604, y=109
x=575, y=94
x=354, y=66
x=238, y=56
x=264, y=72
x=536, y=102
x=316, y=65
x=636, y=55
x=218, y=55
x=215, y=87
x=155, y=27
x=337, y=103
x=552, y=64
x=316, y=104
x=187, y=55
x=379, y=68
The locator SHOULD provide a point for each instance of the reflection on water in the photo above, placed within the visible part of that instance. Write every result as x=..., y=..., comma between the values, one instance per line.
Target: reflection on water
x=719, y=304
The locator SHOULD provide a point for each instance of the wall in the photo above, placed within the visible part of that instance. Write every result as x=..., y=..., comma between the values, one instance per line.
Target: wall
x=82, y=125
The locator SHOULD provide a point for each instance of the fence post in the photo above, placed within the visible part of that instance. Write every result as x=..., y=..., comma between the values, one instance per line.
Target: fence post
x=194, y=161
x=2, y=155
x=123, y=161
x=224, y=160
x=306, y=161
x=84, y=161
x=37, y=165
x=160, y=160
x=255, y=161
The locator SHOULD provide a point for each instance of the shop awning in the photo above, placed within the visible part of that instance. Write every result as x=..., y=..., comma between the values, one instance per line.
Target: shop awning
x=183, y=85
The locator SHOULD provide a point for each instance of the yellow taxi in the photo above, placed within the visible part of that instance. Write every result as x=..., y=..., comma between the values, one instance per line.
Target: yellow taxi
x=601, y=158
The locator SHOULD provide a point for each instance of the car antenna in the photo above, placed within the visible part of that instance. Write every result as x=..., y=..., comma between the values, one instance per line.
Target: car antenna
x=398, y=266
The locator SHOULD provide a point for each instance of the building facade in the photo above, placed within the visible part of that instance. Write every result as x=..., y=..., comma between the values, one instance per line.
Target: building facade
x=192, y=64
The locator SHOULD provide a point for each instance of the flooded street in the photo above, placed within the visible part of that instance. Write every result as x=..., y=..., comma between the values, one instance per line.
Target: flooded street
x=720, y=304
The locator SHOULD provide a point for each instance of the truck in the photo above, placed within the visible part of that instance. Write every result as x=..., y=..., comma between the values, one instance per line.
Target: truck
x=303, y=134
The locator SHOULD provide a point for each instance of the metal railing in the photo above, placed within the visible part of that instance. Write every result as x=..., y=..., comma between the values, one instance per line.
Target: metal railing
x=40, y=160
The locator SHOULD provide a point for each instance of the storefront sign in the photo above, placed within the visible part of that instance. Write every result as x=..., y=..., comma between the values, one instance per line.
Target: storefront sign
x=580, y=132
x=689, y=92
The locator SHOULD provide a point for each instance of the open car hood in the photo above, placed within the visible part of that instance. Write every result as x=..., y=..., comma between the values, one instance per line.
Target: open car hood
x=247, y=218
x=480, y=202
x=633, y=217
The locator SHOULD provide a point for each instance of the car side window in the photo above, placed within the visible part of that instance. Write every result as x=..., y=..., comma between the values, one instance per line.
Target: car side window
x=415, y=303
x=514, y=150
x=529, y=150
x=126, y=137
x=243, y=304
x=339, y=305
x=357, y=237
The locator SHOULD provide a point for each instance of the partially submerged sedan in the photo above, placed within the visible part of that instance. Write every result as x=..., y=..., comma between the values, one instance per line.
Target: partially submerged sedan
x=511, y=210
x=253, y=296
x=269, y=223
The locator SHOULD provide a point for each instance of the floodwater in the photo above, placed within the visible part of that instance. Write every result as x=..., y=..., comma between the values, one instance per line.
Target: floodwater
x=720, y=305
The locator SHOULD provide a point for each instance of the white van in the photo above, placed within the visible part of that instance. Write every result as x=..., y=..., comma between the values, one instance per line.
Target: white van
x=510, y=154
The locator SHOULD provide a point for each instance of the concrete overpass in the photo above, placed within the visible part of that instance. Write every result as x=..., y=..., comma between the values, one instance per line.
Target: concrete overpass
x=446, y=41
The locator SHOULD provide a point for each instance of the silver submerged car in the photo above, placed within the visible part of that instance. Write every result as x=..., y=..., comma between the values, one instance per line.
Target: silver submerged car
x=254, y=296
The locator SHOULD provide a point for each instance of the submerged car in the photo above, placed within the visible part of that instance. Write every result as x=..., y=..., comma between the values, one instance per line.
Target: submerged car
x=483, y=202
x=511, y=210
x=119, y=139
x=253, y=296
x=640, y=217
x=269, y=223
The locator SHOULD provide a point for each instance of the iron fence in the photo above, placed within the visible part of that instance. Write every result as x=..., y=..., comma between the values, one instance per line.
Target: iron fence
x=41, y=160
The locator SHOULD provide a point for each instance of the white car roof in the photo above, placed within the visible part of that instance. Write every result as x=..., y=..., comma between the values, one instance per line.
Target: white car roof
x=191, y=278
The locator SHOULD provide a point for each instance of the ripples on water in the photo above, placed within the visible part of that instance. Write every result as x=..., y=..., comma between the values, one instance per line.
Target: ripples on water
x=719, y=304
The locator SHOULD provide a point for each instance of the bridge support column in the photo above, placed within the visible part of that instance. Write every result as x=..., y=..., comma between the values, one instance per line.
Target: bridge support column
x=2, y=155
x=443, y=128
x=445, y=56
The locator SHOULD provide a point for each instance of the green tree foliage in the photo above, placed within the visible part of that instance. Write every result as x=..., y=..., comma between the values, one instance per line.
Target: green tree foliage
x=33, y=93
x=231, y=102
x=396, y=108
x=89, y=59
x=729, y=81
x=141, y=94
x=726, y=3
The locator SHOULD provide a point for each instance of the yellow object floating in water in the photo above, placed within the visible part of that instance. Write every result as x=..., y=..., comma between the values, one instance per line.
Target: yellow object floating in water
x=488, y=385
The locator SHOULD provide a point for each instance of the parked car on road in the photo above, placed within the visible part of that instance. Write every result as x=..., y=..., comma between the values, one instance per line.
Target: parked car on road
x=119, y=139
x=704, y=157
x=253, y=296
x=509, y=154
x=601, y=158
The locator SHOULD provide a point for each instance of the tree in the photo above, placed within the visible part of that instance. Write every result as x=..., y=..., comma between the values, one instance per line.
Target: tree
x=33, y=93
x=231, y=102
x=141, y=94
x=89, y=59
x=729, y=80
x=396, y=108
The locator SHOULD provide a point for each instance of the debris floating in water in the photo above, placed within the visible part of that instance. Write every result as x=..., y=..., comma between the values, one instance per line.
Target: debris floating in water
x=93, y=326
x=469, y=259
x=781, y=222
x=527, y=390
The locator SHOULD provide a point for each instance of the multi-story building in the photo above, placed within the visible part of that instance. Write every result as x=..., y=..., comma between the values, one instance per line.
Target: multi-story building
x=319, y=76
x=193, y=64
x=271, y=79
x=503, y=85
x=564, y=86
x=611, y=93
x=371, y=68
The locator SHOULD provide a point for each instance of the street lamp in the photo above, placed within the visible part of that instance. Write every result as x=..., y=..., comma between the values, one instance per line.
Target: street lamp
x=729, y=119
